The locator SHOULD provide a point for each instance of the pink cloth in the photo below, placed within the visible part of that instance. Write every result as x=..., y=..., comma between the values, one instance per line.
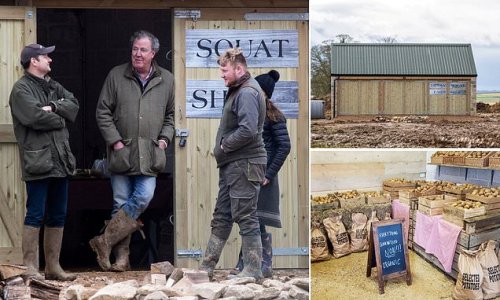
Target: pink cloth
x=423, y=229
x=443, y=241
x=438, y=237
x=402, y=211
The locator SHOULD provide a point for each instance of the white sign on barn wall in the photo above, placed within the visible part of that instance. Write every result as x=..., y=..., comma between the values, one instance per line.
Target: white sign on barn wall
x=205, y=98
x=437, y=88
x=261, y=48
x=458, y=88
x=455, y=88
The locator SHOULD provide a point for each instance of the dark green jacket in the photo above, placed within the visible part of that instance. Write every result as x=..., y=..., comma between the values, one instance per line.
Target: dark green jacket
x=42, y=136
x=137, y=118
x=241, y=125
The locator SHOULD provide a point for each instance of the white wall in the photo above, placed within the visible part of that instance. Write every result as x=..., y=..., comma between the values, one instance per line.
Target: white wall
x=338, y=170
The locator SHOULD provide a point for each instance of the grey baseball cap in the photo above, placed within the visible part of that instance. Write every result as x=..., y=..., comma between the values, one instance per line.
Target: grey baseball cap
x=33, y=50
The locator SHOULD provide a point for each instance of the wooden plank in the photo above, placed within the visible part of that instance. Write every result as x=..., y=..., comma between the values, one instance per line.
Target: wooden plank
x=11, y=255
x=13, y=229
x=30, y=26
x=300, y=171
x=12, y=13
x=181, y=158
x=7, y=134
x=475, y=239
x=433, y=260
x=170, y=4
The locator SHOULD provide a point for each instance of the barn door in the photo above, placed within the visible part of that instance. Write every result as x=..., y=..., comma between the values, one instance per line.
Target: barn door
x=196, y=172
x=17, y=26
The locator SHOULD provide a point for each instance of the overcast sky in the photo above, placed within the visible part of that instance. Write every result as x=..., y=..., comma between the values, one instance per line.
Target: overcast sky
x=417, y=21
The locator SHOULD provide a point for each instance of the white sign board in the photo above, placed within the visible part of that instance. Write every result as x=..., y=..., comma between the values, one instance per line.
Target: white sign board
x=455, y=88
x=261, y=48
x=205, y=98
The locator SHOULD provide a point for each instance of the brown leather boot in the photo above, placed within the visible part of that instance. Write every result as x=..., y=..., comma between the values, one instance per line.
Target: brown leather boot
x=119, y=227
x=52, y=241
x=31, y=236
x=122, y=252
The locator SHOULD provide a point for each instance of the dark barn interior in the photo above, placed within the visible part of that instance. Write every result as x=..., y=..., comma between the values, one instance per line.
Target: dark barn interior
x=89, y=42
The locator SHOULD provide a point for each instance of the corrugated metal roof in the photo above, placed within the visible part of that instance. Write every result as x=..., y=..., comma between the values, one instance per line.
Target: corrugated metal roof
x=403, y=59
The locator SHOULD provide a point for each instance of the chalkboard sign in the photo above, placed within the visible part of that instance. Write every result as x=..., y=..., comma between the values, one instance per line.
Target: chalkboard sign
x=388, y=252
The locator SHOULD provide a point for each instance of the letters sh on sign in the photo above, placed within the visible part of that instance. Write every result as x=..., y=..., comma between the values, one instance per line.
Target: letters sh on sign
x=262, y=48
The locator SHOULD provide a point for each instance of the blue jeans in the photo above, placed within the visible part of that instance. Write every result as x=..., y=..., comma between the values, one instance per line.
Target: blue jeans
x=132, y=193
x=49, y=195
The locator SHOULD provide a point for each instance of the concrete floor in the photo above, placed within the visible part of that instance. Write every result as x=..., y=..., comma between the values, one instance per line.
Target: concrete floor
x=345, y=278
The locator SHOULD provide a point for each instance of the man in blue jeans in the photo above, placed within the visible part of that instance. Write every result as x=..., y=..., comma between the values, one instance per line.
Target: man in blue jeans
x=135, y=115
x=40, y=109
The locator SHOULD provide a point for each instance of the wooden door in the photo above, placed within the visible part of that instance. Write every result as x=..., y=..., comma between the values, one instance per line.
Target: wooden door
x=17, y=29
x=196, y=172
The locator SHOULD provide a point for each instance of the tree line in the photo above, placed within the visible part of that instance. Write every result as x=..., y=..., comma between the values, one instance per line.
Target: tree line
x=320, y=63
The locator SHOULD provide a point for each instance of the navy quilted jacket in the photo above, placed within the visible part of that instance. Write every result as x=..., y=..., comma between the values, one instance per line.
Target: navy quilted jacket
x=277, y=144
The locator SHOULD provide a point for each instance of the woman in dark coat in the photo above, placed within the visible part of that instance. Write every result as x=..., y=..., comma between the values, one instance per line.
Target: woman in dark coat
x=277, y=143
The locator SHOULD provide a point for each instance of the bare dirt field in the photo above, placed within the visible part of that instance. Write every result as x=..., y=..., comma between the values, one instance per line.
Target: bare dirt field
x=480, y=131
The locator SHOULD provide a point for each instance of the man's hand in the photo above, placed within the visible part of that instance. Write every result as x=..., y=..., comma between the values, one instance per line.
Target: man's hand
x=265, y=182
x=118, y=145
x=163, y=144
x=47, y=108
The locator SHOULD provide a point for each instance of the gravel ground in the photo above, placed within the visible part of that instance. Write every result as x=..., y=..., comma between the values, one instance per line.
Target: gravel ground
x=345, y=278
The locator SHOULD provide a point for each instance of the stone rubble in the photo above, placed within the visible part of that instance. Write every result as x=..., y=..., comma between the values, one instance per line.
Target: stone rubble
x=193, y=285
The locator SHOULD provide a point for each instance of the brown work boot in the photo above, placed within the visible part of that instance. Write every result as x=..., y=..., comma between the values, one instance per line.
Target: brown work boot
x=122, y=252
x=52, y=241
x=212, y=254
x=119, y=227
x=30, y=242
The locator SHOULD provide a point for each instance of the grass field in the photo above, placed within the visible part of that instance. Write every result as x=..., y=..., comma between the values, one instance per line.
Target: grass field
x=489, y=98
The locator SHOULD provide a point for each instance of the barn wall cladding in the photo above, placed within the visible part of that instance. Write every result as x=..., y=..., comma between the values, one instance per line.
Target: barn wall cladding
x=195, y=174
x=403, y=79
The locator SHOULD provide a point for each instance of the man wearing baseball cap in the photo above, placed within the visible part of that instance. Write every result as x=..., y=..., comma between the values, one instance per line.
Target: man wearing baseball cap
x=41, y=108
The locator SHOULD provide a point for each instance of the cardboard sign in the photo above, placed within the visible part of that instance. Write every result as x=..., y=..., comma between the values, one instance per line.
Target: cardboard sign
x=388, y=252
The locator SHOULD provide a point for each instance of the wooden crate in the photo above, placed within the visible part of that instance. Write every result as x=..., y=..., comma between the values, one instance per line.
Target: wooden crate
x=457, y=191
x=494, y=162
x=378, y=199
x=437, y=160
x=400, y=184
x=483, y=199
x=435, y=201
x=426, y=210
x=478, y=162
x=476, y=224
x=459, y=161
x=463, y=213
x=408, y=194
